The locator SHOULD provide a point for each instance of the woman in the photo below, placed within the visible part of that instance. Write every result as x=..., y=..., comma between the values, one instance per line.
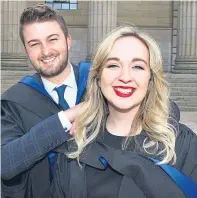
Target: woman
x=124, y=121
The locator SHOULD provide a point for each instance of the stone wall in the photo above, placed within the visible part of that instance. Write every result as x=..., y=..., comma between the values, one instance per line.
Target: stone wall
x=79, y=44
x=10, y=16
x=145, y=13
x=163, y=38
x=77, y=17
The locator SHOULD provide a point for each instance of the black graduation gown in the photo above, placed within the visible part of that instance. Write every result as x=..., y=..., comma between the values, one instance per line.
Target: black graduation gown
x=136, y=176
x=22, y=108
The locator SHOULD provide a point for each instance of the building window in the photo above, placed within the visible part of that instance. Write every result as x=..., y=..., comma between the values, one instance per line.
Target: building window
x=62, y=5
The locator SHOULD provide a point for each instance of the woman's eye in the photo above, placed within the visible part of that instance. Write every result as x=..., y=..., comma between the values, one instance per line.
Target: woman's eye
x=138, y=67
x=113, y=66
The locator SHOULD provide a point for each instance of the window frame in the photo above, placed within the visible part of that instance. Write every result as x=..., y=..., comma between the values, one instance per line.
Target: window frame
x=70, y=3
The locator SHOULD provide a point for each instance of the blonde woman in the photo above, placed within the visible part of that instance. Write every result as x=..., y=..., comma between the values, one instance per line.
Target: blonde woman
x=124, y=120
x=123, y=127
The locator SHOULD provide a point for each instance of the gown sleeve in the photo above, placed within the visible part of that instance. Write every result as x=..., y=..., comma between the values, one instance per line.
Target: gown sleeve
x=186, y=150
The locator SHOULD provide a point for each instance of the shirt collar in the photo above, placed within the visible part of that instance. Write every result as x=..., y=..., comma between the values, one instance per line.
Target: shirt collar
x=69, y=81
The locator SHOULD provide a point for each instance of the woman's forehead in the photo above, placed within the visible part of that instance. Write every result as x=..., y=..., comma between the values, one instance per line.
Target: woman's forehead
x=129, y=47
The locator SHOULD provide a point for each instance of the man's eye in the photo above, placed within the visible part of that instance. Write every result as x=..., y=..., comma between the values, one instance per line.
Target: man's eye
x=138, y=67
x=54, y=39
x=113, y=66
x=34, y=44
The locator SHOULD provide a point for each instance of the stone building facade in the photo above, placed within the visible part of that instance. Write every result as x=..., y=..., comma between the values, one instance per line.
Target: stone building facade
x=172, y=23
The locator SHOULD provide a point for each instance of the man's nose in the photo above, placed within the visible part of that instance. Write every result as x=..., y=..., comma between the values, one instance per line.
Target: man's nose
x=45, y=49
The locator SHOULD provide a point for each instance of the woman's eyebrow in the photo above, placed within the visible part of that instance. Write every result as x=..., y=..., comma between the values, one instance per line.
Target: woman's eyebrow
x=113, y=58
x=133, y=60
x=139, y=59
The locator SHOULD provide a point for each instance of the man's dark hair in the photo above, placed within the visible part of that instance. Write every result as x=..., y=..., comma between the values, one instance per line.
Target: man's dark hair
x=41, y=13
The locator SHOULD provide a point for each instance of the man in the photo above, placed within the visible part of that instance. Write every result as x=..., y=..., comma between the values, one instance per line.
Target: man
x=33, y=123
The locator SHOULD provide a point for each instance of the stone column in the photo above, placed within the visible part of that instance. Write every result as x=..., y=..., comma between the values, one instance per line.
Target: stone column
x=186, y=57
x=102, y=19
x=12, y=53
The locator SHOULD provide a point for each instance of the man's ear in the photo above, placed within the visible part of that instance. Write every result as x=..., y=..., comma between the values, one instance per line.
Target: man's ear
x=26, y=53
x=69, y=41
x=25, y=49
x=28, y=59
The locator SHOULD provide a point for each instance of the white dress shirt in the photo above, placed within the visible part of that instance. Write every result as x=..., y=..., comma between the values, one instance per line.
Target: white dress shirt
x=70, y=95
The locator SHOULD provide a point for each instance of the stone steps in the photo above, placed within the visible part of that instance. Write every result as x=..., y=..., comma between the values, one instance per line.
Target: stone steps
x=11, y=81
x=183, y=84
x=182, y=98
x=183, y=90
x=180, y=93
x=172, y=76
x=192, y=103
x=14, y=68
x=5, y=73
x=9, y=78
x=187, y=109
x=187, y=106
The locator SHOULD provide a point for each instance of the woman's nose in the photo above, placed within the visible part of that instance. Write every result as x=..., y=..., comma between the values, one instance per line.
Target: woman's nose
x=125, y=76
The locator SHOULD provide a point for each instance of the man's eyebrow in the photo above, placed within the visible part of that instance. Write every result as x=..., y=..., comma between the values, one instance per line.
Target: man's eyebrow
x=36, y=40
x=52, y=35
x=33, y=40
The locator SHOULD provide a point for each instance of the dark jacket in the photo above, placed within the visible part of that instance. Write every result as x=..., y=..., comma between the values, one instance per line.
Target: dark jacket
x=26, y=115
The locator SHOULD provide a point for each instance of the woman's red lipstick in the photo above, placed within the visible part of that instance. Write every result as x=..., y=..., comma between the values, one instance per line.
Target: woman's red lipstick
x=123, y=91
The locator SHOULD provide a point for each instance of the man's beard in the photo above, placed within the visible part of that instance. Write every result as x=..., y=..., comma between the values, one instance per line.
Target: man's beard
x=53, y=71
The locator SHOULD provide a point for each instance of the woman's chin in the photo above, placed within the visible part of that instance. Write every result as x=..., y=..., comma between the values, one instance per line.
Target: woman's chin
x=124, y=108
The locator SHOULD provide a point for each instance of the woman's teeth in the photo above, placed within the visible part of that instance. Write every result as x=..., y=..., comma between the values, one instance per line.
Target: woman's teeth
x=124, y=90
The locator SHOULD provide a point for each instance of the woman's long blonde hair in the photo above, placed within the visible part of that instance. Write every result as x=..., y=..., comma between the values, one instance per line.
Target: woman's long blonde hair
x=153, y=114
